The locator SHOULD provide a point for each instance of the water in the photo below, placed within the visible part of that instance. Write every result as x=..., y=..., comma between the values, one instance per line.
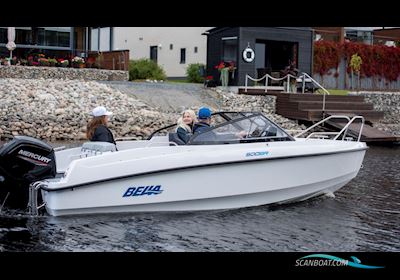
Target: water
x=363, y=216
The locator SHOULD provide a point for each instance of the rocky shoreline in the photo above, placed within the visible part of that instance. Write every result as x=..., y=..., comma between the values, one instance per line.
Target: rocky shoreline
x=56, y=109
x=388, y=102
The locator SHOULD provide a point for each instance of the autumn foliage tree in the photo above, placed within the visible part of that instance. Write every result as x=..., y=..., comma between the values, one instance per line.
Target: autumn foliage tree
x=378, y=60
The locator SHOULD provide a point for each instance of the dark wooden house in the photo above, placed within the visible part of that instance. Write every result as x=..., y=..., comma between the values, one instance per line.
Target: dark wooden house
x=258, y=50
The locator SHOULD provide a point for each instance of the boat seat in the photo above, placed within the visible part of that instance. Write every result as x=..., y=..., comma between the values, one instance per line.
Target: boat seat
x=98, y=147
x=173, y=137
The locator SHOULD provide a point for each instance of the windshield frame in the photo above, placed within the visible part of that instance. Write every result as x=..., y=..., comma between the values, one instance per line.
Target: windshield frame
x=233, y=121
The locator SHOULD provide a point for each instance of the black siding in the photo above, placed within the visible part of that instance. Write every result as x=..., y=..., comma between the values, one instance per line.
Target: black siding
x=214, y=48
x=302, y=35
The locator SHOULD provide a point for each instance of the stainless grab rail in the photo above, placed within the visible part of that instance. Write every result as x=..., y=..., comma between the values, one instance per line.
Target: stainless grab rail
x=342, y=131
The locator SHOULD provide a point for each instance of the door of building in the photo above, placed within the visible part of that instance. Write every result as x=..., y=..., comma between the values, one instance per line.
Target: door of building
x=153, y=53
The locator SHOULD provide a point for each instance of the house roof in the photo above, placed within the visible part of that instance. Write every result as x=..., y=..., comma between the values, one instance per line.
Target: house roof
x=219, y=29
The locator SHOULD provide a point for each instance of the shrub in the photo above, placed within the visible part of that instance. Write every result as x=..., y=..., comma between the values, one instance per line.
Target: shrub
x=193, y=72
x=145, y=69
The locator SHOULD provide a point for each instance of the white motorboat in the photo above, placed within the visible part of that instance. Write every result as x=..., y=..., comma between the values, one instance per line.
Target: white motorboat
x=217, y=169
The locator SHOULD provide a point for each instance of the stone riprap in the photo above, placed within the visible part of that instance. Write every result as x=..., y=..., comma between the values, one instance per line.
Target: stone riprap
x=389, y=103
x=55, y=109
x=265, y=104
x=68, y=73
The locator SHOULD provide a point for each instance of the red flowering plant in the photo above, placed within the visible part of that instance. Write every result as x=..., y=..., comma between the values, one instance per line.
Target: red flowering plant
x=230, y=65
x=30, y=60
x=90, y=62
x=220, y=66
x=63, y=62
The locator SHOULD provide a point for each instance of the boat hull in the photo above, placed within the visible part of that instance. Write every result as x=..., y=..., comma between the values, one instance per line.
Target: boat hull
x=212, y=187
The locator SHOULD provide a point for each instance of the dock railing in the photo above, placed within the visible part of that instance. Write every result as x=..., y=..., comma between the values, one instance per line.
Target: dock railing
x=267, y=77
x=303, y=78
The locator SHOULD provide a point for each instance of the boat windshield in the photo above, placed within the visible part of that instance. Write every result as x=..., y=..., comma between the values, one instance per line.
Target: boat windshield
x=244, y=128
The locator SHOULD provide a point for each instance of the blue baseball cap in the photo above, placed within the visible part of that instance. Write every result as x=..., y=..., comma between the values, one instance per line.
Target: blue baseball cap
x=204, y=113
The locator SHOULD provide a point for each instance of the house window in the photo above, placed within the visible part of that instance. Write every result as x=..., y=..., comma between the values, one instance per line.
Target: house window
x=171, y=46
x=229, y=49
x=195, y=49
x=41, y=36
x=183, y=56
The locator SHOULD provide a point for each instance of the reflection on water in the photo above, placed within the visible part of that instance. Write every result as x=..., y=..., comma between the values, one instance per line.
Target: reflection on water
x=364, y=216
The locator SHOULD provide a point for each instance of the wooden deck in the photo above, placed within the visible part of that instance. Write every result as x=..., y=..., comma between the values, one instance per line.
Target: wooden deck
x=369, y=133
x=308, y=107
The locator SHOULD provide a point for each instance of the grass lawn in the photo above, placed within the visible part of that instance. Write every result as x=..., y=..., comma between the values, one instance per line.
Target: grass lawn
x=177, y=81
x=336, y=91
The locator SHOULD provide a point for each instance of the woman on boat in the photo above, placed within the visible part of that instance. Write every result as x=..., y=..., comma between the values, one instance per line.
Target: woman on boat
x=185, y=124
x=97, y=129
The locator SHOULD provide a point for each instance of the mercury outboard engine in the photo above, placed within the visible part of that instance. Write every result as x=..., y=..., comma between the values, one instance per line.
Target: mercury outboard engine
x=23, y=160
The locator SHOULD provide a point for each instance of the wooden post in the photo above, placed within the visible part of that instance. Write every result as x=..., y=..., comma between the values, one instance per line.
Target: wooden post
x=341, y=35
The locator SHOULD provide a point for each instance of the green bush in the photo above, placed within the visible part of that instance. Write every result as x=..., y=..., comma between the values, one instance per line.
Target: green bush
x=193, y=73
x=145, y=69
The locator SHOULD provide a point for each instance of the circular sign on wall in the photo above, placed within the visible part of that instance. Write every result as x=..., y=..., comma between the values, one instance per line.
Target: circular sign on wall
x=248, y=54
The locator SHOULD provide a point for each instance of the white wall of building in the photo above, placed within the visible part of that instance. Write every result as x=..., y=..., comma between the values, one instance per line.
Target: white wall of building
x=139, y=39
x=104, y=39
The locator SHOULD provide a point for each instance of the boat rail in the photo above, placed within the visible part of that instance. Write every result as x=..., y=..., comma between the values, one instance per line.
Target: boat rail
x=33, y=208
x=342, y=132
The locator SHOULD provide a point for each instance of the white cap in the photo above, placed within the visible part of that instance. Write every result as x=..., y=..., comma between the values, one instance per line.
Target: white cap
x=100, y=111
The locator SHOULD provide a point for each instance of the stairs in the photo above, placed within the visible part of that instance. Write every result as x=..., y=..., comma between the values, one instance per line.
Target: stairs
x=308, y=107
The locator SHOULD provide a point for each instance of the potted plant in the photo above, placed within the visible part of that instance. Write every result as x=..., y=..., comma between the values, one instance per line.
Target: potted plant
x=90, y=62
x=78, y=62
x=64, y=63
x=14, y=60
x=52, y=61
x=24, y=62
x=43, y=61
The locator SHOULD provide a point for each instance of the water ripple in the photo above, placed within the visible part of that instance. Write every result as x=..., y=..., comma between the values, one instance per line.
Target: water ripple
x=363, y=216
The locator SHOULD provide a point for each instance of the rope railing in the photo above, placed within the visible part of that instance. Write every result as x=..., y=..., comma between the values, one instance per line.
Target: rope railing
x=303, y=78
x=266, y=77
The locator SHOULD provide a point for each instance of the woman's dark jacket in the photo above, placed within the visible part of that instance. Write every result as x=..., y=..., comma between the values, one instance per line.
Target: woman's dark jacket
x=103, y=134
x=183, y=134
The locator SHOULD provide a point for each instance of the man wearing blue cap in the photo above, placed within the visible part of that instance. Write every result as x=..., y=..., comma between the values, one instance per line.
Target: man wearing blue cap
x=204, y=116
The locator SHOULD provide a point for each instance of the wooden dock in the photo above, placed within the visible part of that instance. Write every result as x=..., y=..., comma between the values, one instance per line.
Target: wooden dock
x=308, y=107
x=369, y=134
